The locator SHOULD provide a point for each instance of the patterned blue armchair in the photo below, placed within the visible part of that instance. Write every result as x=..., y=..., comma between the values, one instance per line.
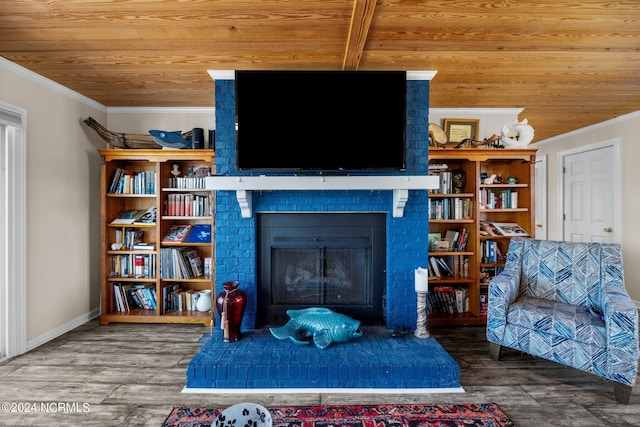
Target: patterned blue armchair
x=566, y=302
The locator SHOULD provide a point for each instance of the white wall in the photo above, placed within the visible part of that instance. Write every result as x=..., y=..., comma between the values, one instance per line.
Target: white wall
x=627, y=128
x=63, y=210
x=142, y=120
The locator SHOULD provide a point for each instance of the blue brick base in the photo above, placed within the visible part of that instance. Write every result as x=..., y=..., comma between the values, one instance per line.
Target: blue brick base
x=375, y=361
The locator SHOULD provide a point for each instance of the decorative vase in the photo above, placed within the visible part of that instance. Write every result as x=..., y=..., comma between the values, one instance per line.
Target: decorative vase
x=204, y=300
x=230, y=304
x=458, y=180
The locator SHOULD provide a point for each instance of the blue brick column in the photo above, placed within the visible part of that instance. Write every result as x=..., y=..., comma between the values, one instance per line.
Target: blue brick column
x=235, y=237
x=407, y=236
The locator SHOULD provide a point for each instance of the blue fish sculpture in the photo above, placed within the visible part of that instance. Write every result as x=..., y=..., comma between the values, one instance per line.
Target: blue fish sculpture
x=170, y=139
x=322, y=325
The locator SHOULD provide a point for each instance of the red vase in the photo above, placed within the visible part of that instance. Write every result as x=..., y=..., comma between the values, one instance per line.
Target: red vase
x=230, y=304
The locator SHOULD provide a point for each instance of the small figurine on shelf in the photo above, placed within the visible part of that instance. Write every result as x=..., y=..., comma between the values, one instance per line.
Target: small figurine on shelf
x=175, y=171
x=490, y=180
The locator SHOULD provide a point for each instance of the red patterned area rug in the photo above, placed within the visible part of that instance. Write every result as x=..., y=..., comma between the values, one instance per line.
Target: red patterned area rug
x=416, y=415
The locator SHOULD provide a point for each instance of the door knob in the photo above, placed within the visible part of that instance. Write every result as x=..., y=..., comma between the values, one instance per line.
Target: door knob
x=607, y=229
x=538, y=225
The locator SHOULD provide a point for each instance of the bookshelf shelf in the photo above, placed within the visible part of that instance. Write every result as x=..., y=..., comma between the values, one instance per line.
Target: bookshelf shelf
x=518, y=163
x=190, y=218
x=504, y=210
x=453, y=221
x=136, y=196
x=151, y=298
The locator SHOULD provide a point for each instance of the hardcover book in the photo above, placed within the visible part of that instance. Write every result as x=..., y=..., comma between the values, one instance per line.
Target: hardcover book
x=200, y=233
x=143, y=247
x=148, y=217
x=510, y=229
x=129, y=216
x=177, y=233
x=195, y=262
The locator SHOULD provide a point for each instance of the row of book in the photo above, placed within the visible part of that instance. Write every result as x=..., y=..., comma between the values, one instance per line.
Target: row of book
x=125, y=182
x=194, y=177
x=491, y=252
x=448, y=299
x=450, y=266
x=175, y=298
x=181, y=262
x=128, y=296
x=457, y=239
x=484, y=300
x=451, y=208
x=133, y=265
x=445, y=185
x=128, y=237
x=503, y=199
x=179, y=204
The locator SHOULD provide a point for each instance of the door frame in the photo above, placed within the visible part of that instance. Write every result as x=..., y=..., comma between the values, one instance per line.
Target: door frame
x=541, y=194
x=616, y=144
x=13, y=246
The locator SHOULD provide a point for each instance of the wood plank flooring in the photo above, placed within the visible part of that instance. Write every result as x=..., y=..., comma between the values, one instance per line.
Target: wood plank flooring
x=132, y=374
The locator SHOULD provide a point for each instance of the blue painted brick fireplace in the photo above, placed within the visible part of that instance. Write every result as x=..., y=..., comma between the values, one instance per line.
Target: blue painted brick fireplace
x=235, y=237
x=378, y=359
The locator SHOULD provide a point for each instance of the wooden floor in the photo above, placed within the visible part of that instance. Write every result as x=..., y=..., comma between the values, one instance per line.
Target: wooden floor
x=132, y=374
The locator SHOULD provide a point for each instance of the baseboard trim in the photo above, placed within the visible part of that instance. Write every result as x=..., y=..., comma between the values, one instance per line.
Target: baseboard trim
x=62, y=329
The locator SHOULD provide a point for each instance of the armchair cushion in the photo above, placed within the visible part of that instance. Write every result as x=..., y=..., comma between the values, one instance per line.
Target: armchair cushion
x=572, y=322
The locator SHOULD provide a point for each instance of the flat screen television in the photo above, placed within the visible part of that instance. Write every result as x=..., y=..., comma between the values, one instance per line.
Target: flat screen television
x=320, y=121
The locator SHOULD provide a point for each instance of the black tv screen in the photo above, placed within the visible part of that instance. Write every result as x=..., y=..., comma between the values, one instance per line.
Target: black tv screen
x=321, y=120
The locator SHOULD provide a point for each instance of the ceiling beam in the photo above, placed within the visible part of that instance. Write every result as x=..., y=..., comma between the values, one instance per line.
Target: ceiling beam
x=358, y=30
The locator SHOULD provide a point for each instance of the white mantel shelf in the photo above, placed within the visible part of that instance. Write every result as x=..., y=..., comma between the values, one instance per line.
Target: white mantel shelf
x=244, y=185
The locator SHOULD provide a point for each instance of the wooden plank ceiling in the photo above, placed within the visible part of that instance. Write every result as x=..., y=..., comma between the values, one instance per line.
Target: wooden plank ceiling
x=569, y=64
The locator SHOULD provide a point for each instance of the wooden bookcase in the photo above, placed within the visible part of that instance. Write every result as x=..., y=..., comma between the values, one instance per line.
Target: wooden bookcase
x=157, y=166
x=504, y=163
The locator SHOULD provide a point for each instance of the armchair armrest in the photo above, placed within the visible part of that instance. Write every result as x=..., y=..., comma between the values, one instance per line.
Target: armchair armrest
x=503, y=290
x=621, y=319
x=621, y=322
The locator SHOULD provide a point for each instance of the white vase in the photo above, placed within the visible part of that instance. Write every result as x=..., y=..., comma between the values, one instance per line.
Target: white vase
x=204, y=300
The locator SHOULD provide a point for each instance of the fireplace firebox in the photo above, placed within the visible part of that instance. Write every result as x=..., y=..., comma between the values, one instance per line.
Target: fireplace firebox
x=333, y=260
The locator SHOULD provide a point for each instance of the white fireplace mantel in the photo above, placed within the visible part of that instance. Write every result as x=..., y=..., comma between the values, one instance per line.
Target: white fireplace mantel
x=244, y=185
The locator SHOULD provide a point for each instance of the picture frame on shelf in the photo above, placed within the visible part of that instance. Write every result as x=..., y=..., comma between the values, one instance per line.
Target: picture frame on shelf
x=461, y=129
x=434, y=240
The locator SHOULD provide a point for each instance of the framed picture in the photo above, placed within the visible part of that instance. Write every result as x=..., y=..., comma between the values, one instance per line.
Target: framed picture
x=434, y=240
x=510, y=229
x=461, y=129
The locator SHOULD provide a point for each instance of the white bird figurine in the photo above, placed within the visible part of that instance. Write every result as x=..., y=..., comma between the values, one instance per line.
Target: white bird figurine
x=516, y=134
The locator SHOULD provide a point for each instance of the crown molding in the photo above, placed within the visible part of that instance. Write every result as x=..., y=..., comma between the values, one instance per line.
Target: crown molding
x=37, y=78
x=630, y=116
x=474, y=111
x=158, y=110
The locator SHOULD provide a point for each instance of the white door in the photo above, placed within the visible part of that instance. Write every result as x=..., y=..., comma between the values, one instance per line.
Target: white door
x=540, y=215
x=590, y=196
